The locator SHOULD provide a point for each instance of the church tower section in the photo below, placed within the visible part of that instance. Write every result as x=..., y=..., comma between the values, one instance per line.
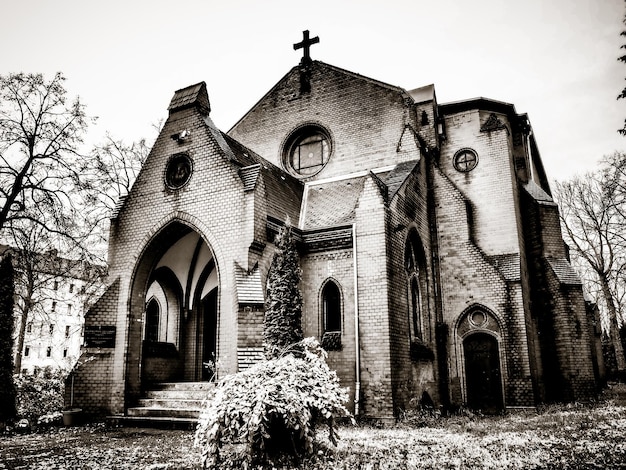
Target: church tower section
x=500, y=350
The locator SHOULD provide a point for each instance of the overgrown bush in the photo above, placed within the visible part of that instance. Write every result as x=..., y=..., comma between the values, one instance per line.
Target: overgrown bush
x=40, y=393
x=269, y=412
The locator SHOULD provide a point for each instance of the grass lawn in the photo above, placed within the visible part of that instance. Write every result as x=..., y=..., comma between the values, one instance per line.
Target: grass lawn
x=558, y=437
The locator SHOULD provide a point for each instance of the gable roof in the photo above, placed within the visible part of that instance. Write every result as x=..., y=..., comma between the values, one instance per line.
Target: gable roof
x=422, y=94
x=283, y=192
x=332, y=203
x=319, y=64
x=564, y=271
x=538, y=194
x=396, y=177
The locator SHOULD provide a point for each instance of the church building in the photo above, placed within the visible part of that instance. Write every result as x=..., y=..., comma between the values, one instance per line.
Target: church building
x=433, y=266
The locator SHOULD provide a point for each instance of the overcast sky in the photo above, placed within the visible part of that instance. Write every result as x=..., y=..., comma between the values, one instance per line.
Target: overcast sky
x=553, y=59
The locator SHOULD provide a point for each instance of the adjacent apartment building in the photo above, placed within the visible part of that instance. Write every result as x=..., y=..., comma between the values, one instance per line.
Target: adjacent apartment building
x=50, y=333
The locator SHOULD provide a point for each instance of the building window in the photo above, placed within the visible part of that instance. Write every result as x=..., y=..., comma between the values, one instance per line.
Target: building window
x=51, y=329
x=69, y=309
x=331, y=302
x=415, y=266
x=56, y=285
x=178, y=171
x=465, y=160
x=26, y=351
x=54, y=306
x=307, y=150
x=48, y=351
x=331, y=317
x=67, y=331
x=29, y=327
x=152, y=320
x=71, y=288
x=416, y=314
x=65, y=353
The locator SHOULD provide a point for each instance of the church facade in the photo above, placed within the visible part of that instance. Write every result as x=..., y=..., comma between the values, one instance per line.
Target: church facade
x=433, y=267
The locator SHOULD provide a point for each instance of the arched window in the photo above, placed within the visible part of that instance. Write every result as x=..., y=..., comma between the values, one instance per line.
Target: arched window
x=152, y=320
x=415, y=266
x=416, y=314
x=331, y=302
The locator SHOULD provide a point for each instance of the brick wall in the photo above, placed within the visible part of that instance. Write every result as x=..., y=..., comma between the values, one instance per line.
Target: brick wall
x=317, y=269
x=373, y=294
x=563, y=336
x=490, y=186
x=477, y=221
x=408, y=211
x=89, y=386
x=365, y=118
x=151, y=220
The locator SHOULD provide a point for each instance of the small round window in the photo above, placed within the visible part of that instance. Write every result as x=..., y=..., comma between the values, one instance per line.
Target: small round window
x=478, y=318
x=465, y=160
x=307, y=151
x=178, y=171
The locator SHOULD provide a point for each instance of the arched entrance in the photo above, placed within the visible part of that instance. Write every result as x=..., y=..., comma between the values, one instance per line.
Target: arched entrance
x=174, y=311
x=482, y=373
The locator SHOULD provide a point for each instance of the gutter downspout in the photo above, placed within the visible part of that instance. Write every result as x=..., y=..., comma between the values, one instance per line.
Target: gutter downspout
x=357, y=366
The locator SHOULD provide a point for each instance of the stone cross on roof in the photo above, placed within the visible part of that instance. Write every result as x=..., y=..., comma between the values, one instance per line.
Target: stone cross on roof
x=306, y=45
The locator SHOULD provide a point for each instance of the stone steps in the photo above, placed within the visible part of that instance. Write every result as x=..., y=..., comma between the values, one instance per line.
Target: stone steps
x=159, y=412
x=176, y=394
x=167, y=404
x=170, y=403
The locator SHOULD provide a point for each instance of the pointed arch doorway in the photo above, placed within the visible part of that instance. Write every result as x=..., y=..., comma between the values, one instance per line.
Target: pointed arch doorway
x=175, y=341
x=483, y=376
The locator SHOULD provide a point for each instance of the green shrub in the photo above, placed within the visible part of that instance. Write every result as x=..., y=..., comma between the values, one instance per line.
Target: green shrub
x=269, y=412
x=40, y=393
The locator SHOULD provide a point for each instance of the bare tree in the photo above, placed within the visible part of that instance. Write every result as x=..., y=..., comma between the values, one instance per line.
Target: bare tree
x=54, y=201
x=108, y=176
x=622, y=95
x=40, y=135
x=592, y=216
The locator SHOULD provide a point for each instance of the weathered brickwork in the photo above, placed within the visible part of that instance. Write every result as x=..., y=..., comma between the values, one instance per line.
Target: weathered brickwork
x=365, y=117
x=561, y=319
x=373, y=294
x=408, y=211
x=439, y=267
x=89, y=385
x=317, y=269
x=247, y=357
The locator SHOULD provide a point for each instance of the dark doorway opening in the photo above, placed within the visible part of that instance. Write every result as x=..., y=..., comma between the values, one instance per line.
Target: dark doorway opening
x=153, y=313
x=209, y=336
x=482, y=373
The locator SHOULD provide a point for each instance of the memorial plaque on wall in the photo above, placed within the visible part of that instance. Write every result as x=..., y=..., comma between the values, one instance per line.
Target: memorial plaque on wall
x=99, y=336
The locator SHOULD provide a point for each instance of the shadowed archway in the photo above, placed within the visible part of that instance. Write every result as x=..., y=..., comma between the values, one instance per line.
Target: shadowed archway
x=178, y=268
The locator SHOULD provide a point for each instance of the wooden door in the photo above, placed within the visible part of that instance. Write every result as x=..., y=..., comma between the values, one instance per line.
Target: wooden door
x=482, y=373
